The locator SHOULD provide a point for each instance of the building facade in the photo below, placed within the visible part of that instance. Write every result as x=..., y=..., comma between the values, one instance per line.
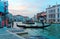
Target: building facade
x=41, y=14
x=18, y=18
x=3, y=12
x=4, y=6
x=35, y=18
x=53, y=14
x=26, y=18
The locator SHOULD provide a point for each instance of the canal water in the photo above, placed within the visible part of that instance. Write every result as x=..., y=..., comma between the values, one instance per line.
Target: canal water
x=51, y=32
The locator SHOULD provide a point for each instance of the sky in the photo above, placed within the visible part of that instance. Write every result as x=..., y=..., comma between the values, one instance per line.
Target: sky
x=29, y=7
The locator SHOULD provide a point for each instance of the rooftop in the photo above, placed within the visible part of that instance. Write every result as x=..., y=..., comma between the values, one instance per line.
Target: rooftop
x=53, y=6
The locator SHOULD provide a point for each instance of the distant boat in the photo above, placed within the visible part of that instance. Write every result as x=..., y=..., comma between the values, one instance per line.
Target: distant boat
x=29, y=22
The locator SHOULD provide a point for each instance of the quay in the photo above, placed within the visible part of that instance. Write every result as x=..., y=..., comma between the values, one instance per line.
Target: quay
x=4, y=34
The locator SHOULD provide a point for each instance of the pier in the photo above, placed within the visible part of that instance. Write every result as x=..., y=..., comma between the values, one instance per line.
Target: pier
x=4, y=34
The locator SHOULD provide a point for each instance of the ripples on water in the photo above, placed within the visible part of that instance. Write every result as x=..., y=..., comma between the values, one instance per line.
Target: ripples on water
x=52, y=32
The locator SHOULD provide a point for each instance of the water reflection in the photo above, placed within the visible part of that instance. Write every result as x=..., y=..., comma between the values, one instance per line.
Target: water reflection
x=53, y=31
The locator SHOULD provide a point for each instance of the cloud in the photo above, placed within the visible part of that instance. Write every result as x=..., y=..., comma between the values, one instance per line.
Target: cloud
x=18, y=7
x=25, y=7
x=24, y=12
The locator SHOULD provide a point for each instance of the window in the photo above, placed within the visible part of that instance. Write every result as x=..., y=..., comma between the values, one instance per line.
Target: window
x=58, y=10
x=51, y=11
x=58, y=20
x=51, y=15
x=54, y=10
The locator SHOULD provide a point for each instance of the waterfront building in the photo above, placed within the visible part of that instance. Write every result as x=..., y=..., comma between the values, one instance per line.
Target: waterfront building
x=18, y=18
x=53, y=13
x=43, y=14
x=4, y=6
x=3, y=12
x=35, y=18
x=26, y=18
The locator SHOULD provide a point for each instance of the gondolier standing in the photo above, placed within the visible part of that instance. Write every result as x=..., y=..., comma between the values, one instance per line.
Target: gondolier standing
x=42, y=20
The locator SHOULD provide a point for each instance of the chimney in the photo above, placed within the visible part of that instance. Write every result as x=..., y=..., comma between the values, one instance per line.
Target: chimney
x=49, y=6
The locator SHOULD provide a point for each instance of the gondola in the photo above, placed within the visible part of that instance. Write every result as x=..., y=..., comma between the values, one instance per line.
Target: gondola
x=24, y=26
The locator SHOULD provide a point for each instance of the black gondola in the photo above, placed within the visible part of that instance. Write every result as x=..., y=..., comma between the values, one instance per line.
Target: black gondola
x=24, y=26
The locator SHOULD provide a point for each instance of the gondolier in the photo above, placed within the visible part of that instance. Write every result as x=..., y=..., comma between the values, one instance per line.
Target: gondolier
x=41, y=19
